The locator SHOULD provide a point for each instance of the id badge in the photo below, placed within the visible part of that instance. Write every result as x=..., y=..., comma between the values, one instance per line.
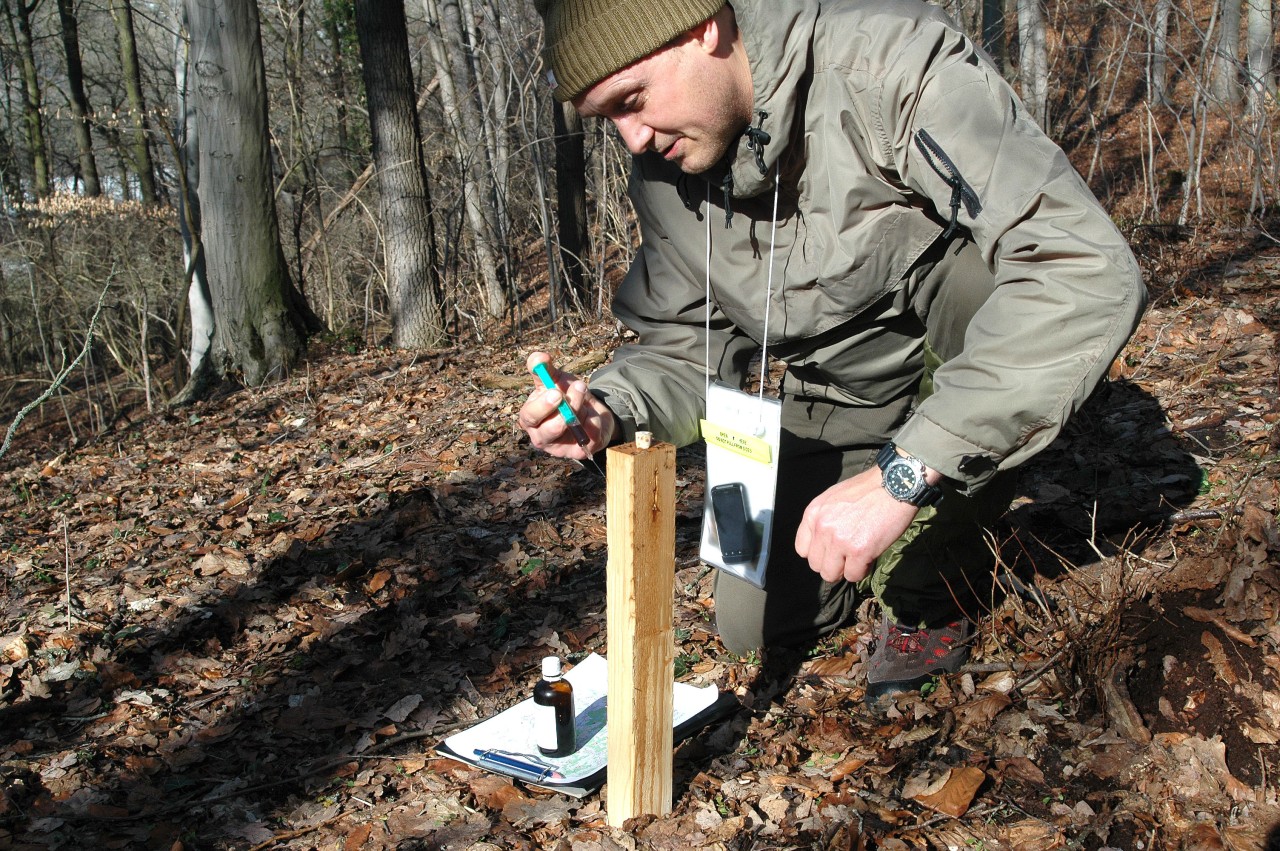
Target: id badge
x=742, y=432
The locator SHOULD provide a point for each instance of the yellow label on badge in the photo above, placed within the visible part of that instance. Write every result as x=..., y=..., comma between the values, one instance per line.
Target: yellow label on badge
x=735, y=441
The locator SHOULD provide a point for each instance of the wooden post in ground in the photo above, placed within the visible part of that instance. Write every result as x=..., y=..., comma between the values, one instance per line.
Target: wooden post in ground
x=641, y=485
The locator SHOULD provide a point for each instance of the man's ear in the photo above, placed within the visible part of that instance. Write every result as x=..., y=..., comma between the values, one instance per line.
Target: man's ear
x=708, y=34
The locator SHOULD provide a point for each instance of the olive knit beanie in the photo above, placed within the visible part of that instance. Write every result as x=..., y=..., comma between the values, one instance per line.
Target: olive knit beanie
x=587, y=40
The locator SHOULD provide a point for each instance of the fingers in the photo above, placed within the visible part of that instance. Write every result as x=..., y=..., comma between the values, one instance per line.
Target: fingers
x=543, y=420
x=832, y=563
x=846, y=528
x=536, y=358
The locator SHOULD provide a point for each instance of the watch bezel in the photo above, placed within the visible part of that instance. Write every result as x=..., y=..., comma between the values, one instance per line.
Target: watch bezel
x=893, y=479
x=921, y=493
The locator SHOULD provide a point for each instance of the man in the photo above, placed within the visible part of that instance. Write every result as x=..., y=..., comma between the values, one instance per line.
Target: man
x=945, y=290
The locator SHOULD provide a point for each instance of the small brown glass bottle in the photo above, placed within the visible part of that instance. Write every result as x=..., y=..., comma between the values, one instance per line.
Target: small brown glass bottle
x=554, y=728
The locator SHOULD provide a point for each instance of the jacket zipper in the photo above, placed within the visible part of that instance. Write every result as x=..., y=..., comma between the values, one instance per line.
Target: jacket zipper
x=961, y=191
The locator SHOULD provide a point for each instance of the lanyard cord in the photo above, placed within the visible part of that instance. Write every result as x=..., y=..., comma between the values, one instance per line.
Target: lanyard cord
x=706, y=330
x=768, y=302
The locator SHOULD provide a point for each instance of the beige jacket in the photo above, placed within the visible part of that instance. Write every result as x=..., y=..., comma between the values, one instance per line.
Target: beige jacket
x=898, y=145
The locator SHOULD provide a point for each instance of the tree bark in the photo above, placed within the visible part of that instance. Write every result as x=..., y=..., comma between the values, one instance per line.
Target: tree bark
x=1158, y=63
x=571, y=198
x=10, y=169
x=993, y=37
x=33, y=123
x=261, y=320
x=405, y=200
x=492, y=87
x=140, y=144
x=1262, y=79
x=201, y=374
x=1226, y=61
x=457, y=92
x=1034, y=60
x=337, y=71
x=79, y=100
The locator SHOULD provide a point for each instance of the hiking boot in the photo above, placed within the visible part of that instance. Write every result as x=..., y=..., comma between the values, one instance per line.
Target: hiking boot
x=905, y=658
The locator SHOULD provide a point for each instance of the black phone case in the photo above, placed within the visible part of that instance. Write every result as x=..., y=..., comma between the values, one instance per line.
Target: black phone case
x=733, y=523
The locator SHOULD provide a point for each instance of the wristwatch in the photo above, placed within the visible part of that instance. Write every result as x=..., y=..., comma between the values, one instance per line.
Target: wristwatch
x=904, y=478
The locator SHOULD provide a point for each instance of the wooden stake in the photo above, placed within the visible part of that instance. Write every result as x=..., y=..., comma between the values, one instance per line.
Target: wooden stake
x=641, y=485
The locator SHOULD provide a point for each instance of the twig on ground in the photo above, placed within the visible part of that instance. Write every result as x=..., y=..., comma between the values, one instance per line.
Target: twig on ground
x=294, y=834
x=1036, y=674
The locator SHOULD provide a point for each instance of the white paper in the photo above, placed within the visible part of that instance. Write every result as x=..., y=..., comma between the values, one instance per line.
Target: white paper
x=513, y=730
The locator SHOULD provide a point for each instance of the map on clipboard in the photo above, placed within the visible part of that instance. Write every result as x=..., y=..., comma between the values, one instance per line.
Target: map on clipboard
x=505, y=743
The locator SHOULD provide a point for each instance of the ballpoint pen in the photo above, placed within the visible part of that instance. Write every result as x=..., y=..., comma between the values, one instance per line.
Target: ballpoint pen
x=525, y=764
x=570, y=418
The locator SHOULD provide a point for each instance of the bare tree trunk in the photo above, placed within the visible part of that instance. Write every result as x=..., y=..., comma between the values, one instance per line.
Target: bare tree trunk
x=457, y=92
x=140, y=146
x=1158, y=56
x=261, y=320
x=79, y=100
x=493, y=87
x=337, y=72
x=1034, y=60
x=10, y=171
x=1226, y=60
x=993, y=38
x=405, y=200
x=1262, y=80
x=32, y=121
x=571, y=197
x=201, y=373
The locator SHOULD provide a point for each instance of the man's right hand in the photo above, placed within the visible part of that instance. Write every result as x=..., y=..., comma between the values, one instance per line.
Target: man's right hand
x=547, y=430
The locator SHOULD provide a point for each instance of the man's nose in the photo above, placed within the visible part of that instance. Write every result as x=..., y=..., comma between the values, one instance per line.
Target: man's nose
x=636, y=135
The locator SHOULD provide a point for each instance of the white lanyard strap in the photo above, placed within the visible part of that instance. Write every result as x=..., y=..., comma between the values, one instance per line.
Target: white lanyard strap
x=706, y=331
x=768, y=301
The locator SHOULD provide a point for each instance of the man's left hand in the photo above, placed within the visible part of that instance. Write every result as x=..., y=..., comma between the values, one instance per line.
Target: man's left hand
x=847, y=526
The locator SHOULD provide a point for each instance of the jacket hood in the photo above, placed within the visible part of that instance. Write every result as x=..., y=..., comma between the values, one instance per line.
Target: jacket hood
x=777, y=34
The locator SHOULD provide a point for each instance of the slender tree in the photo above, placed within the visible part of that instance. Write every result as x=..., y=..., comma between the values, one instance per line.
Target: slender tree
x=139, y=135
x=993, y=37
x=79, y=100
x=1226, y=59
x=200, y=368
x=571, y=197
x=19, y=19
x=338, y=15
x=447, y=40
x=10, y=170
x=1033, y=65
x=260, y=320
x=405, y=199
x=1262, y=79
x=1158, y=56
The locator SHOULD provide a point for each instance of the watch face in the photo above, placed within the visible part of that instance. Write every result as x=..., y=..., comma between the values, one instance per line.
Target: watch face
x=901, y=480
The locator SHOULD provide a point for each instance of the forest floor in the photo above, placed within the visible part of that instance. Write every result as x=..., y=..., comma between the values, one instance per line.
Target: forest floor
x=248, y=624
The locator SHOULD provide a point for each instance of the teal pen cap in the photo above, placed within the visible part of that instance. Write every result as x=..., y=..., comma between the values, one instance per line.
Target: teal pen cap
x=570, y=418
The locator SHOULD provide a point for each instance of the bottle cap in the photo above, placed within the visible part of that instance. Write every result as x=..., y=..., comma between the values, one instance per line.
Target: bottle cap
x=550, y=666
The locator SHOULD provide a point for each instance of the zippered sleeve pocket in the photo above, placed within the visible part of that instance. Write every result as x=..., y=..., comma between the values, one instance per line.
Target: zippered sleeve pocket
x=961, y=191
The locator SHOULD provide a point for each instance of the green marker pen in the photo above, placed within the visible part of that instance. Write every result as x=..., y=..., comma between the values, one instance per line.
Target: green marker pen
x=570, y=418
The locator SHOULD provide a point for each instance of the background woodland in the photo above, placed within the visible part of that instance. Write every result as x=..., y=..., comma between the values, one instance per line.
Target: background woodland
x=192, y=190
